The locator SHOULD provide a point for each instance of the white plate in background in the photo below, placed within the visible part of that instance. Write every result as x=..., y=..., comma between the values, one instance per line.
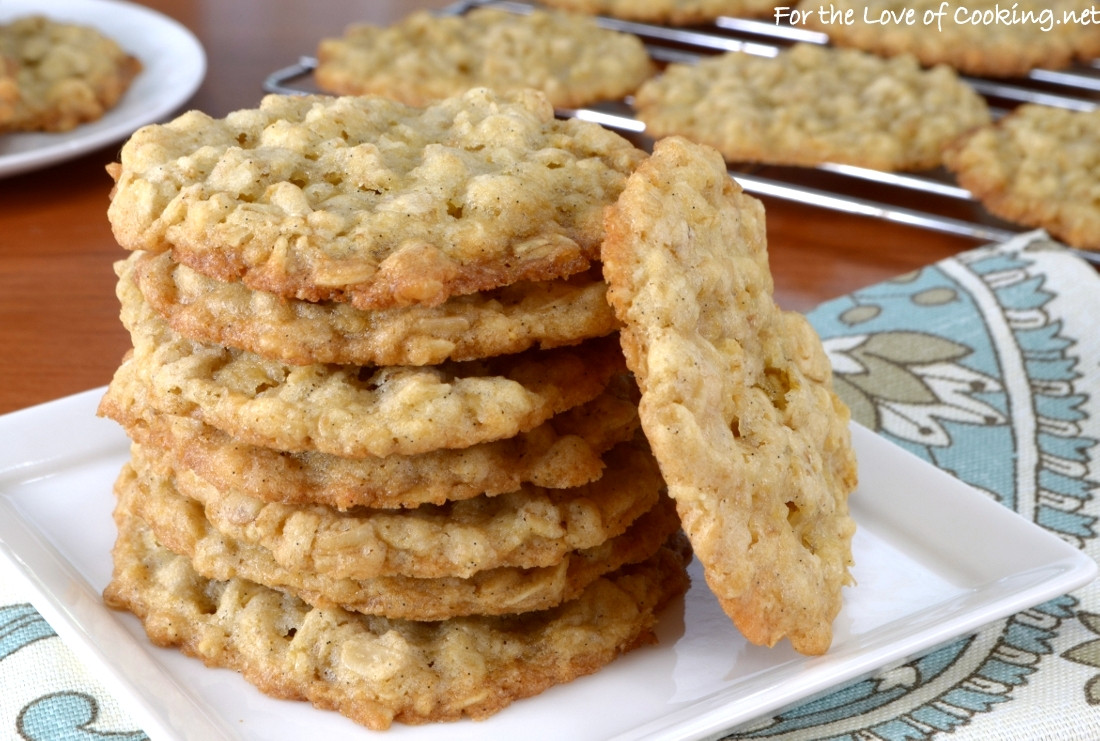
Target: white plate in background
x=173, y=67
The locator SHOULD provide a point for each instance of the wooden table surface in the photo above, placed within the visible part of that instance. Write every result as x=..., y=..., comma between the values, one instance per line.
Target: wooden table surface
x=59, y=327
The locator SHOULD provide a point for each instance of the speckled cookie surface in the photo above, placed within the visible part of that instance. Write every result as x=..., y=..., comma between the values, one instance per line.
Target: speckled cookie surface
x=813, y=104
x=1038, y=166
x=425, y=57
x=506, y=320
x=368, y=200
x=351, y=410
x=375, y=670
x=179, y=524
x=737, y=401
x=531, y=527
x=565, y=451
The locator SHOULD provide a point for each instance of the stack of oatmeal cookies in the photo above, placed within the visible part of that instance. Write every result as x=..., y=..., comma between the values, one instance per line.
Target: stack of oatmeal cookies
x=386, y=451
x=392, y=429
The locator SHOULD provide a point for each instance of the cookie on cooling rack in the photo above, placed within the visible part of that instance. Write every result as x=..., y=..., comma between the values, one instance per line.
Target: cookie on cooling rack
x=425, y=57
x=737, y=401
x=66, y=74
x=1028, y=34
x=1038, y=166
x=672, y=12
x=812, y=104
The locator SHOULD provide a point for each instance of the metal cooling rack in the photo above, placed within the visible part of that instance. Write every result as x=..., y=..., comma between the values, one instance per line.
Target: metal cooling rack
x=889, y=196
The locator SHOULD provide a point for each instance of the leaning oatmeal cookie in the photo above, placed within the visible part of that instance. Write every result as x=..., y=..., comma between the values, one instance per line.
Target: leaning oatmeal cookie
x=1038, y=166
x=498, y=322
x=531, y=527
x=569, y=58
x=812, y=104
x=563, y=452
x=67, y=74
x=673, y=12
x=355, y=411
x=1033, y=34
x=178, y=523
x=737, y=401
x=368, y=200
x=378, y=671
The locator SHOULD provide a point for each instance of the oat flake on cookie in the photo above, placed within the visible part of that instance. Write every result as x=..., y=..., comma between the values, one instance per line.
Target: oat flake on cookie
x=371, y=201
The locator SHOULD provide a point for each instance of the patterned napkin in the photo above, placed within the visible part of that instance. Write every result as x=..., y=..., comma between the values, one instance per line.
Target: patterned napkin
x=987, y=365
x=46, y=693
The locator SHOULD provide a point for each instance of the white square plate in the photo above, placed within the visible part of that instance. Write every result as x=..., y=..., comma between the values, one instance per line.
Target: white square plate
x=934, y=559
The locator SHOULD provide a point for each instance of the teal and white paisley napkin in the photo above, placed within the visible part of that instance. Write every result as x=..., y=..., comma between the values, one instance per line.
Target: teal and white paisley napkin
x=46, y=693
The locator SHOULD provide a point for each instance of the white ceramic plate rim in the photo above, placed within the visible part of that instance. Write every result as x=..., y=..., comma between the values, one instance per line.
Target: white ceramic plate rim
x=173, y=61
x=978, y=561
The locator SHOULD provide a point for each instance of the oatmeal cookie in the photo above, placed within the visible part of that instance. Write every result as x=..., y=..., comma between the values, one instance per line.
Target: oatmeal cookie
x=505, y=320
x=1035, y=34
x=371, y=201
x=180, y=525
x=1038, y=166
x=426, y=57
x=531, y=527
x=565, y=451
x=672, y=12
x=355, y=411
x=813, y=104
x=737, y=400
x=67, y=74
x=378, y=671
